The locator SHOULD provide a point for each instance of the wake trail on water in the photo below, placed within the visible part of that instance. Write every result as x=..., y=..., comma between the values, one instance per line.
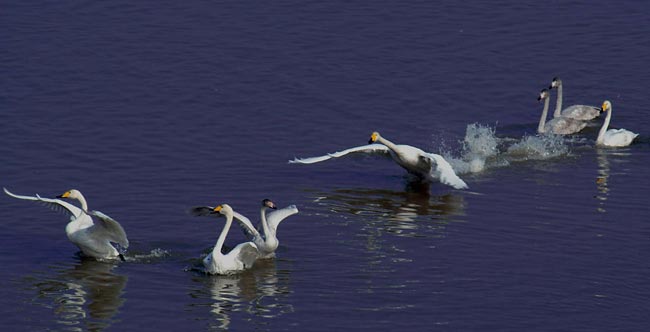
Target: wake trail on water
x=481, y=149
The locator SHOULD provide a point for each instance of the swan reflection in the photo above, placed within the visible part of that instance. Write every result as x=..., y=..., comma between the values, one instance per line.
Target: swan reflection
x=259, y=292
x=396, y=211
x=602, y=179
x=84, y=297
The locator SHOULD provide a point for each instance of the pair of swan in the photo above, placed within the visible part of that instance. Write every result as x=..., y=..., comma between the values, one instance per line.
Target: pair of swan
x=259, y=246
x=100, y=237
x=568, y=121
x=427, y=166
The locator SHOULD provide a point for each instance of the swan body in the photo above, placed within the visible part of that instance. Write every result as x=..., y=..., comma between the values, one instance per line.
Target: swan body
x=560, y=125
x=240, y=258
x=265, y=235
x=577, y=112
x=99, y=237
x=427, y=166
x=613, y=137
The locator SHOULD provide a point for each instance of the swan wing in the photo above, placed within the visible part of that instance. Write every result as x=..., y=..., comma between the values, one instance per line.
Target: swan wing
x=54, y=204
x=619, y=137
x=370, y=148
x=108, y=228
x=275, y=217
x=246, y=226
x=444, y=172
x=581, y=112
x=201, y=211
x=246, y=253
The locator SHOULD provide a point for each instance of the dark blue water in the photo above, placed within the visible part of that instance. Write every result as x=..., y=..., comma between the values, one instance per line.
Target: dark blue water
x=150, y=108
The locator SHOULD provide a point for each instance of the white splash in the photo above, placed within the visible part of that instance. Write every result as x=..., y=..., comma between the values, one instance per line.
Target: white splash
x=537, y=148
x=482, y=149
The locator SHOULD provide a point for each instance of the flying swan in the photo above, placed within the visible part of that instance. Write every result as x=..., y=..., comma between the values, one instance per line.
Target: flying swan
x=427, y=166
x=578, y=112
x=267, y=241
x=560, y=125
x=100, y=237
x=613, y=137
x=240, y=258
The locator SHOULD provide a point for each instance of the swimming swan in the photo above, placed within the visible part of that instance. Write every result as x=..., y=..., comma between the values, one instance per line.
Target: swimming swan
x=559, y=126
x=99, y=237
x=427, y=166
x=266, y=241
x=578, y=112
x=613, y=137
x=241, y=257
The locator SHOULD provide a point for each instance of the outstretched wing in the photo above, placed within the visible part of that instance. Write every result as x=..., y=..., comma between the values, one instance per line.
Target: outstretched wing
x=200, y=211
x=108, y=228
x=444, y=172
x=275, y=217
x=371, y=148
x=246, y=226
x=54, y=204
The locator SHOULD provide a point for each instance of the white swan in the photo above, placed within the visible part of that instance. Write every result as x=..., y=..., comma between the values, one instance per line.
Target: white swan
x=427, y=166
x=241, y=257
x=102, y=237
x=265, y=235
x=578, y=112
x=559, y=126
x=613, y=137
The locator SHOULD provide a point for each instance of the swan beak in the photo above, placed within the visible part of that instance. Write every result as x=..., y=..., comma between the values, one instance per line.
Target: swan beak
x=218, y=208
x=65, y=195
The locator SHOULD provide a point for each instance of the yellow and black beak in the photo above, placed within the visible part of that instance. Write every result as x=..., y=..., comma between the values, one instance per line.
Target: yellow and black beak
x=373, y=138
x=218, y=208
x=65, y=195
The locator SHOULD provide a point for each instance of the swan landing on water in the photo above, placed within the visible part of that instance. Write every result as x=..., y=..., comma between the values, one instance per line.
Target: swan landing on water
x=100, y=237
x=427, y=166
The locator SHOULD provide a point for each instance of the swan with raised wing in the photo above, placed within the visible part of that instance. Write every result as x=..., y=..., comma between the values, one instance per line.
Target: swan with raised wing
x=265, y=235
x=240, y=258
x=427, y=166
x=99, y=237
x=578, y=112
x=613, y=137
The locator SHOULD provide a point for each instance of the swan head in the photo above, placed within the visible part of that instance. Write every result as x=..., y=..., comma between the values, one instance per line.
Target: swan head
x=72, y=193
x=556, y=82
x=543, y=95
x=223, y=209
x=374, y=137
x=269, y=204
x=607, y=105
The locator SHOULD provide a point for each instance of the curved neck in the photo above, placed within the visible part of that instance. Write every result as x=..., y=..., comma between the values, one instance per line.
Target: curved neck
x=542, y=120
x=265, y=225
x=603, y=129
x=558, y=103
x=387, y=143
x=222, y=237
x=82, y=200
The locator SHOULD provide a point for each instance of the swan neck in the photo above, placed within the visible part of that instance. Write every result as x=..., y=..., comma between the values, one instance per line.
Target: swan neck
x=542, y=120
x=387, y=143
x=265, y=225
x=222, y=237
x=82, y=200
x=603, y=129
x=558, y=103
